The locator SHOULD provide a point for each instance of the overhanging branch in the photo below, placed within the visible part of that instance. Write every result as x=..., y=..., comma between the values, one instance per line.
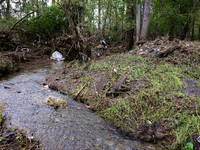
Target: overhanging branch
x=21, y=20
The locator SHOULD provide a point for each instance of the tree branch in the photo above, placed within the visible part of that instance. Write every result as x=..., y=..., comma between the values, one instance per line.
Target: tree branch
x=21, y=20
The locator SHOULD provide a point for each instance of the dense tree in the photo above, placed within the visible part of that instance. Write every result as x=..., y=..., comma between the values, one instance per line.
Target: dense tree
x=143, y=19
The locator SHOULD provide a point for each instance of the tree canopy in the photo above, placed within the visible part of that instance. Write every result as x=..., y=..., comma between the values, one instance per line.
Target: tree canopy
x=176, y=18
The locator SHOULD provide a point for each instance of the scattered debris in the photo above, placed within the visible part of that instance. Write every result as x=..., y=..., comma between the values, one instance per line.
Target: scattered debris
x=198, y=139
x=169, y=50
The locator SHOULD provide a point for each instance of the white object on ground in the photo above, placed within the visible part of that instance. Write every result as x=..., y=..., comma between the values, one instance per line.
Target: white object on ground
x=25, y=50
x=57, y=56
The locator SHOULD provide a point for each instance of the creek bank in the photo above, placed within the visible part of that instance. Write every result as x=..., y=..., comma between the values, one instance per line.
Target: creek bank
x=94, y=83
x=75, y=127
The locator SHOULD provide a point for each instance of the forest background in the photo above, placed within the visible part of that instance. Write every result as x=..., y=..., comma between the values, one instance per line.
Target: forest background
x=116, y=20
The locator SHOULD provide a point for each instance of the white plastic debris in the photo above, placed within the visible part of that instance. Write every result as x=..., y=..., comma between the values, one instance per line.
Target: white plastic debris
x=198, y=139
x=148, y=122
x=57, y=56
x=25, y=50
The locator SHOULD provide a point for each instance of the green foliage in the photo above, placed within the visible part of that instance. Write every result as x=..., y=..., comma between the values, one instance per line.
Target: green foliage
x=119, y=113
x=189, y=146
x=52, y=20
x=170, y=17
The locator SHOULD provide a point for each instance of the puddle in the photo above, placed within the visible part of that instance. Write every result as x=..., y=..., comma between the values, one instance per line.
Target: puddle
x=76, y=128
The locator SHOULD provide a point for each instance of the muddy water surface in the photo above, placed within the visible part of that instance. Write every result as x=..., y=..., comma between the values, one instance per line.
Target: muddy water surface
x=76, y=128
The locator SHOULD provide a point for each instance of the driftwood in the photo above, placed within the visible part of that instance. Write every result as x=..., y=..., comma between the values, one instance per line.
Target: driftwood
x=118, y=85
x=168, y=51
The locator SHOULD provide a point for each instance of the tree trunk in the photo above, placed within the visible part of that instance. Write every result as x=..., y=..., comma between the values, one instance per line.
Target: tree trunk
x=8, y=10
x=193, y=21
x=68, y=15
x=158, y=27
x=105, y=18
x=138, y=20
x=99, y=24
x=37, y=11
x=129, y=32
x=145, y=21
x=199, y=32
x=123, y=16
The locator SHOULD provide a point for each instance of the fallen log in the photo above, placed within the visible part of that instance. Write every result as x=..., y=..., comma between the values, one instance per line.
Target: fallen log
x=21, y=20
x=168, y=51
x=117, y=87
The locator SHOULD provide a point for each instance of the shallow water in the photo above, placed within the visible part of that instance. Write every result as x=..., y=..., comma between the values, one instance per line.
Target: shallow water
x=73, y=128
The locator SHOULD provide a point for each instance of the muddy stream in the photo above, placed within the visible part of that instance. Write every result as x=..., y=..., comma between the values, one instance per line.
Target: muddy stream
x=73, y=128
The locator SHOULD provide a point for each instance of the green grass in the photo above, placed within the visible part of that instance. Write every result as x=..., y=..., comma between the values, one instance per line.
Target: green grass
x=157, y=102
x=158, y=95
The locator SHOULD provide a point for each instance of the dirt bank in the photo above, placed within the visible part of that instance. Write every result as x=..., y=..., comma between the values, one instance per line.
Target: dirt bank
x=139, y=95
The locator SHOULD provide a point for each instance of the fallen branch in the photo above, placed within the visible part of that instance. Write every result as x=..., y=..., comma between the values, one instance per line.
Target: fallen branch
x=118, y=85
x=71, y=48
x=165, y=53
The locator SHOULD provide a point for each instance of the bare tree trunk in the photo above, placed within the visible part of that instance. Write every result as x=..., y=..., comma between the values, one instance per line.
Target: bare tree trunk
x=145, y=21
x=110, y=18
x=105, y=18
x=8, y=10
x=199, y=32
x=123, y=16
x=193, y=21
x=99, y=24
x=138, y=19
x=71, y=23
x=158, y=27
x=129, y=32
x=37, y=11
x=93, y=25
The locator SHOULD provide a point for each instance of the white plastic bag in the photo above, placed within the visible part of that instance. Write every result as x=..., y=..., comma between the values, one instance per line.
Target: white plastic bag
x=57, y=56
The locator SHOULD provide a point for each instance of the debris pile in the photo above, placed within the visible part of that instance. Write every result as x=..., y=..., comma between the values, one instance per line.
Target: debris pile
x=6, y=42
x=184, y=51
